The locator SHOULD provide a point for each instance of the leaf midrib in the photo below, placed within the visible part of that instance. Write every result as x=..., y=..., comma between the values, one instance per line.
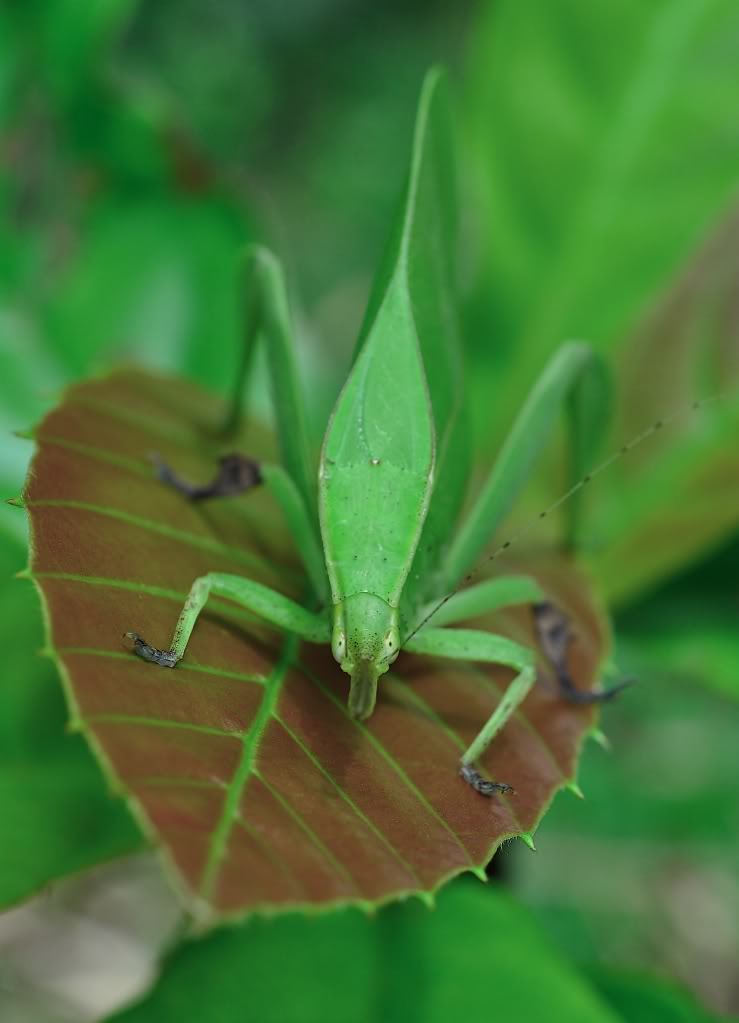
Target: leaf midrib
x=245, y=768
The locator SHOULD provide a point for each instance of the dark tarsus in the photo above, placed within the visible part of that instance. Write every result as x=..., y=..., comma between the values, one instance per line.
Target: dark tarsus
x=554, y=633
x=236, y=474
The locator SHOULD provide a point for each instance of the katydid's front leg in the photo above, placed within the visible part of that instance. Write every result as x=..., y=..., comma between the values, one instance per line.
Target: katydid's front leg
x=471, y=645
x=273, y=607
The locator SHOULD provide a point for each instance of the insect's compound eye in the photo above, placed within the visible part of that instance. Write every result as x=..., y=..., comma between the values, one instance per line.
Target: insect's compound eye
x=392, y=644
x=338, y=645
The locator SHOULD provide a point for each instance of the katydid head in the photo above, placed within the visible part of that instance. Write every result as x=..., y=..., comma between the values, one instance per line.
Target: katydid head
x=365, y=642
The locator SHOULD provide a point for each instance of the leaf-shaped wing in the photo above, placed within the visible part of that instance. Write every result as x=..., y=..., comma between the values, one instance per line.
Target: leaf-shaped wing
x=412, y=315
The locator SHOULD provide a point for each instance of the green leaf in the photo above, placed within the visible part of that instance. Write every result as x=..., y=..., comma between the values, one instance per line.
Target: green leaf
x=71, y=40
x=57, y=819
x=476, y=956
x=583, y=122
x=696, y=640
x=625, y=876
x=639, y=998
x=328, y=811
x=158, y=269
x=674, y=799
x=687, y=629
x=29, y=377
x=57, y=816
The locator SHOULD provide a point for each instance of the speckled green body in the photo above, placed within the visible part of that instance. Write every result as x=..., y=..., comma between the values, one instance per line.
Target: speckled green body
x=376, y=478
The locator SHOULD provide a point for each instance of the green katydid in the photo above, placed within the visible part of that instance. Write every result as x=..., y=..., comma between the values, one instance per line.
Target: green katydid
x=374, y=529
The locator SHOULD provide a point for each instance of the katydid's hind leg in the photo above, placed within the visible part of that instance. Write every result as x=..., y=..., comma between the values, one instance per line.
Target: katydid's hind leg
x=236, y=474
x=273, y=607
x=555, y=636
x=480, y=784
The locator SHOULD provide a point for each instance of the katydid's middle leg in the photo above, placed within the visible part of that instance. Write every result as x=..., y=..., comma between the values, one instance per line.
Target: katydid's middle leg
x=471, y=645
x=482, y=598
x=273, y=607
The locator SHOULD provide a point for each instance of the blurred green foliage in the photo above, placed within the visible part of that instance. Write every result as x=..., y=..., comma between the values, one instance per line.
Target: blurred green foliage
x=476, y=956
x=141, y=145
x=605, y=146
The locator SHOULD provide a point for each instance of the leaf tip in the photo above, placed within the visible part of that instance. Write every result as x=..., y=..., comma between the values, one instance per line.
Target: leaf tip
x=23, y=573
x=15, y=502
x=28, y=434
x=575, y=789
x=610, y=669
x=480, y=874
x=528, y=839
x=599, y=736
x=428, y=899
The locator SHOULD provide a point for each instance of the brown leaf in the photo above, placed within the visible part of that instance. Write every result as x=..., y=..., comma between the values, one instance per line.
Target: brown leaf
x=242, y=762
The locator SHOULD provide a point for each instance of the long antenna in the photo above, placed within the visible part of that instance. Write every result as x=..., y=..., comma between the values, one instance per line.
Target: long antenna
x=657, y=425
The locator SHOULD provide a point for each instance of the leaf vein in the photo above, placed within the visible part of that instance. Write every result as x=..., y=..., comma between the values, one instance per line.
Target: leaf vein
x=153, y=526
x=390, y=759
x=119, y=655
x=350, y=802
x=147, y=722
x=274, y=855
x=250, y=741
x=453, y=737
x=309, y=832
